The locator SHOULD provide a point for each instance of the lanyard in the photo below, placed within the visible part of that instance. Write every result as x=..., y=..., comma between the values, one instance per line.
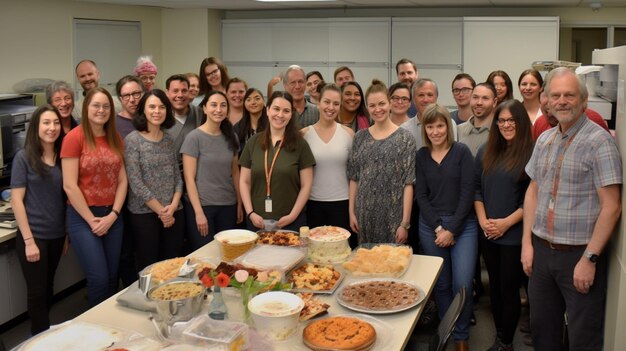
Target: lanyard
x=555, y=183
x=268, y=173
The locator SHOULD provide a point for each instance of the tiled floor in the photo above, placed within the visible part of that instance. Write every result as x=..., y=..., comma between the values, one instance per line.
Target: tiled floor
x=481, y=336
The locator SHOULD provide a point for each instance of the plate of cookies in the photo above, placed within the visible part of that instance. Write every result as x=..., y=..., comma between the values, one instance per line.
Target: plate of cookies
x=380, y=295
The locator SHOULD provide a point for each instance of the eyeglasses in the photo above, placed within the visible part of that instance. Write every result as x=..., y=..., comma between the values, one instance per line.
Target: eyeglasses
x=457, y=91
x=294, y=83
x=213, y=72
x=67, y=100
x=97, y=107
x=135, y=94
x=504, y=121
x=402, y=99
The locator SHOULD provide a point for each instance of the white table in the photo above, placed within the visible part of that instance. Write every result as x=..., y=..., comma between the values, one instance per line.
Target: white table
x=423, y=272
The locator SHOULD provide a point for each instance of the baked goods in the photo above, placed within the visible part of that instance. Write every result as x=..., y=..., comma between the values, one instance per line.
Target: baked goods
x=312, y=306
x=177, y=291
x=328, y=244
x=339, y=333
x=235, y=242
x=315, y=277
x=383, y=260
x=280, y=238
x=380, y=295
x=166, y=270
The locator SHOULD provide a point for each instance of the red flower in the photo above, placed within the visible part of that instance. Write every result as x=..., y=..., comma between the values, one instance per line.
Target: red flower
x=223, y=280
x=207, y=281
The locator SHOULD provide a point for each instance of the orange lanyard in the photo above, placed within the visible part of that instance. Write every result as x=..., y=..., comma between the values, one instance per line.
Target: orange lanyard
x=555, y=183
x=268, y=173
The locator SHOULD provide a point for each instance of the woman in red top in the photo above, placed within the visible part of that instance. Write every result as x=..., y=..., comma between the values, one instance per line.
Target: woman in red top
x=94, y=180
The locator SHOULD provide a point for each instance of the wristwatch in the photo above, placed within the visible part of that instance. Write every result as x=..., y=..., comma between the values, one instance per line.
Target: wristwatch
x=438, y=229
x=591, y=256
x=405, y=225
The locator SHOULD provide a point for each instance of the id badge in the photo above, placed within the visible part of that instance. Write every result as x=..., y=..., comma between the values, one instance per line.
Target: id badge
x=268, y=204
x=551, y=204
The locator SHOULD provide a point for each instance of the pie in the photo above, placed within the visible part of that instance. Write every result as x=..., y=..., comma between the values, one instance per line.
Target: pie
x=339, y=333
x=315, y=277
x=279, y=238
x=312, y=306
x=380, y=295
x=380, y=260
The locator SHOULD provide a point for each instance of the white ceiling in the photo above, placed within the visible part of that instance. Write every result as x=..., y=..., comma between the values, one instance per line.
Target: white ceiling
x=255, y=5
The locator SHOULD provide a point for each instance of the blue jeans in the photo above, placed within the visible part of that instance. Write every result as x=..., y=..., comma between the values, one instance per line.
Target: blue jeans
x=98, y=255
x=457, y=271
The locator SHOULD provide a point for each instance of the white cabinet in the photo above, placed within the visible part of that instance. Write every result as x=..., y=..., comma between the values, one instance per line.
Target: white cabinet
x=13, y=288
x=441, y=47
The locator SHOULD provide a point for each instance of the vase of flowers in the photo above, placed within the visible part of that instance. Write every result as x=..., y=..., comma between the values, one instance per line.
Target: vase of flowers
x=217, y=281
x=249, y=285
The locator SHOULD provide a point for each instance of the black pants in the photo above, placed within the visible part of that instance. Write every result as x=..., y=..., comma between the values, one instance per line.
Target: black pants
x=505, y=276
x=218, y=217
x=153, y=242
x=128, y=267
x=319, y=213
x=39, y=278
x=552, y=292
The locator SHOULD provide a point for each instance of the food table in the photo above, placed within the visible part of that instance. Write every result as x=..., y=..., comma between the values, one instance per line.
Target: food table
x=423, y=271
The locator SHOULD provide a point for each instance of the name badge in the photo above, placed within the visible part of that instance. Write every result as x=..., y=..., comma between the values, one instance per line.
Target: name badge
x=268, y=204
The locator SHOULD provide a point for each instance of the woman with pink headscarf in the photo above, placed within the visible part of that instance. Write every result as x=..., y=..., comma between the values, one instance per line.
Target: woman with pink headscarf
x=146, y=70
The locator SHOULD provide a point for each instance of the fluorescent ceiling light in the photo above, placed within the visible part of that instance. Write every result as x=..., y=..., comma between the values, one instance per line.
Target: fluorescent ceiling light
x=296, y=0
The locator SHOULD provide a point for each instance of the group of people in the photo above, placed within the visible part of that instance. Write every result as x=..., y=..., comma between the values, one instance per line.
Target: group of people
x=175, y=166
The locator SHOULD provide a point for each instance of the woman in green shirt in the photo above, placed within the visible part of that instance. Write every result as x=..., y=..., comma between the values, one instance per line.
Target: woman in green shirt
x=277, y=170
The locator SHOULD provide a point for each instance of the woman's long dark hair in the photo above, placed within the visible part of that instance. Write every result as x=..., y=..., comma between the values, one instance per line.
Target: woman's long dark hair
x=225, y=126
x=362, y=109
x=32, y=144
x=292, y=134
x=498, y=153
x=245, y=124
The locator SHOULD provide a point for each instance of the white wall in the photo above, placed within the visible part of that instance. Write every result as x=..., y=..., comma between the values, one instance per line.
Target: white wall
x=36, y=38
x=188, y=37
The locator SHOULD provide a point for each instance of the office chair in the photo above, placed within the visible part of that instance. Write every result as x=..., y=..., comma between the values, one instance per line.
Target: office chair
x=448, y=322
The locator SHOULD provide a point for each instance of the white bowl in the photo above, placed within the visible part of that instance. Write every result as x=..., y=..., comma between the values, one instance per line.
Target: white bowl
x=276, y=314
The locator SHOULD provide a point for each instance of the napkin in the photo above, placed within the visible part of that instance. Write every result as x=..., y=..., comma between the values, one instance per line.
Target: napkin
x=134, y=298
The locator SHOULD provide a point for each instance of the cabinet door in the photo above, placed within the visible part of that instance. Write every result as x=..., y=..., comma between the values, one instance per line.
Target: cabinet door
x=435, y=45
x=17, y=295
x=5, y=287
x=510, y=44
